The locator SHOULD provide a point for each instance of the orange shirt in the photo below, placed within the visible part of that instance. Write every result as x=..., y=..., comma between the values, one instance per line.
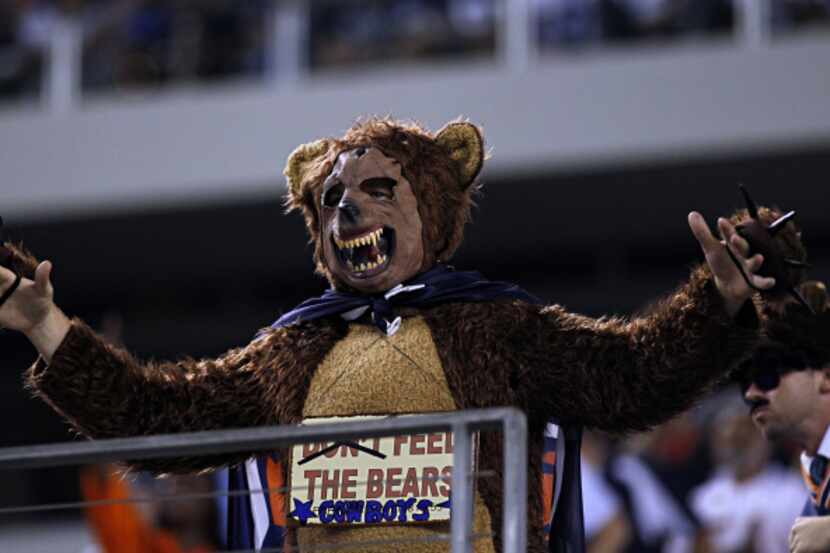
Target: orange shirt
x=120, y=527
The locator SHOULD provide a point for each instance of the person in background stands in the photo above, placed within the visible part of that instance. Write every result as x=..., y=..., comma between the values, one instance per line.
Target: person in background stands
x=787, y=387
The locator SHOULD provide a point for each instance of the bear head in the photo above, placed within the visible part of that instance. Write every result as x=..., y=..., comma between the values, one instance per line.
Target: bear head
x=386, y=201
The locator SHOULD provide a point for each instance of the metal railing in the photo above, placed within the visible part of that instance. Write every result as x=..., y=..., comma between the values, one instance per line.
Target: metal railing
x=463, y=424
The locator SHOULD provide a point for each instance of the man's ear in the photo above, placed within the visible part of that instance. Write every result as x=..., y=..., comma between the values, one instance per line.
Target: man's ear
x=824, y=385
x=300, y=162
x=465, y=145
x=815, y=293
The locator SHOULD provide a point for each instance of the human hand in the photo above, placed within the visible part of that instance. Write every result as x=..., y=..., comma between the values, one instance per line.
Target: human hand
x=810, y=535
x=731, y=284
x=31, y=309
x=29, y=305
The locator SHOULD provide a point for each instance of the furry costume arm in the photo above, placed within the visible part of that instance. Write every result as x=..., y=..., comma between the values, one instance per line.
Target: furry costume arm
x=624, y=375
x=106, y=393
x=611, y=373
x=621, y=375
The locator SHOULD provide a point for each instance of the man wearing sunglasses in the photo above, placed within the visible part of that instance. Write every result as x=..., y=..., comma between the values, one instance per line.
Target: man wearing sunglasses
x=787, y=387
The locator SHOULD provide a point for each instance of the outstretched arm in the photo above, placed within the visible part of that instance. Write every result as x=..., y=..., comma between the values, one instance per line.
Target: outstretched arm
x=624, y=375
x=106, y=393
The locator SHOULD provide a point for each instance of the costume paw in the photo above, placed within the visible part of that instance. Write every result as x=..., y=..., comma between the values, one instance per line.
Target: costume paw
x=775, y=235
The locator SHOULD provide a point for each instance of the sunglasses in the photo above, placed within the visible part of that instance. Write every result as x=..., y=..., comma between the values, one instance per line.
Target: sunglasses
x=765, y=379
x=768, y=366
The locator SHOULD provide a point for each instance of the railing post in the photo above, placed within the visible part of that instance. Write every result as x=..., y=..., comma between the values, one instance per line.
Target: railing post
x=516, y=36
x=64, y=65
x=461, y=494
x=288, y=45
x=754, y=22
x=514, y=504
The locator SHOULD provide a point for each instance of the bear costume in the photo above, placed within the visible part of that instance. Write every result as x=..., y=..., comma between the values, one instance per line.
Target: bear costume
x=444, y=341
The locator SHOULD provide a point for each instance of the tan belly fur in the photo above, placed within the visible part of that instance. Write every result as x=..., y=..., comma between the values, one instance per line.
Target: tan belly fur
x=369, y=373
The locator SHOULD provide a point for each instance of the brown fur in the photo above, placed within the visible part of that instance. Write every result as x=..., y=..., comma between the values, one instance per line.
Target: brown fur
x=105, y=393
x=444, y=198
x=613, y=374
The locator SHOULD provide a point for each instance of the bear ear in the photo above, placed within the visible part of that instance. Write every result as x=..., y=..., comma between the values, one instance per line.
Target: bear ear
x=300, y=162
x=465, y=146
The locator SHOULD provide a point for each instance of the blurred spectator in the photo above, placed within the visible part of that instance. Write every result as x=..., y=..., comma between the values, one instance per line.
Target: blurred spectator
x=21, y=61
x=564, y=23
x=232, y=38
x=790, y=14
x=35, y=22
x=172, y=526
x=627, y=506
x=643, y=18
x=659, y=521
x=652, y=473
x=735, y=504
x=38, y=18
x=473, y=20
x=149, y=30
x=607, y=529
x=159, y=42
x=371, y=31
x=569, y=23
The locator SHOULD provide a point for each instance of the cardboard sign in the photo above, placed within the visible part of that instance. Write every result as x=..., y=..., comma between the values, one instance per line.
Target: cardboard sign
x=400, y=479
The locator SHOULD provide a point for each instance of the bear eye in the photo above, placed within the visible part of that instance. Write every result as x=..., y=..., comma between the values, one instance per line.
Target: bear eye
x=332, y=195
x=379, y=188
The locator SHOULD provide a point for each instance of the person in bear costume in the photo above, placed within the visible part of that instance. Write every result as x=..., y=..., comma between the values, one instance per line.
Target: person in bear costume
x=400, y=332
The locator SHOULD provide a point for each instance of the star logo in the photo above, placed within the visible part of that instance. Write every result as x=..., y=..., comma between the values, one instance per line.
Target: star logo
x=302, y=511
x=446, y=504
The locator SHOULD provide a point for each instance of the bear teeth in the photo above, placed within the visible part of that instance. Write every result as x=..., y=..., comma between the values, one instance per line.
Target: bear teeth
x=370, y=238
x=364, y=253
x=363, y=267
